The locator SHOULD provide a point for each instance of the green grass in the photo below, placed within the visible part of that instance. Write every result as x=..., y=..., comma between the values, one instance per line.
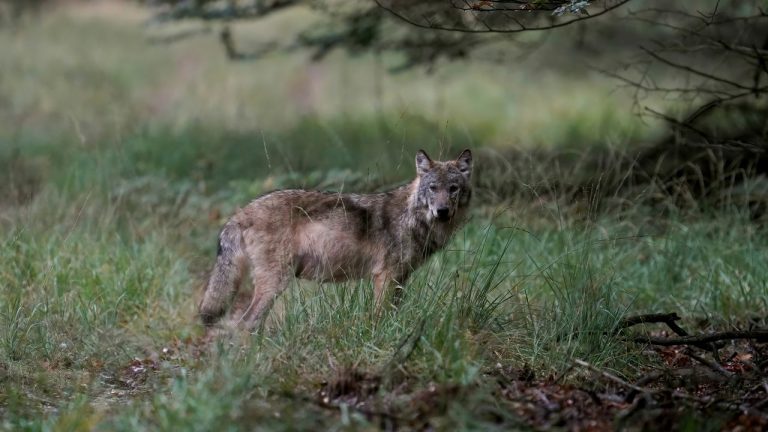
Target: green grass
x=113, y=196
x=84, y=296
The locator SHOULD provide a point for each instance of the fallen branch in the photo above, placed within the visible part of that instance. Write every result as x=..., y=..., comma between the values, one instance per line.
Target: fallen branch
x=641, y=383
x=666, y=318
x=710, y=364
x=757, y=335
x=643, y=390
x=612, y=377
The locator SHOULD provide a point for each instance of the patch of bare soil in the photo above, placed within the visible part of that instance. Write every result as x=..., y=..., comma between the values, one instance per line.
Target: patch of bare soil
x=713, y=380
x=681, y=393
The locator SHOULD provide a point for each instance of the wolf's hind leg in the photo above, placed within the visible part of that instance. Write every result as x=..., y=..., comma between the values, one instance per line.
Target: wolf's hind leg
x=267, y=285
x=226, y=275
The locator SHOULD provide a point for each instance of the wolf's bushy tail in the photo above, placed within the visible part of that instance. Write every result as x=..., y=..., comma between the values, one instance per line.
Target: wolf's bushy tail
x=225, y=276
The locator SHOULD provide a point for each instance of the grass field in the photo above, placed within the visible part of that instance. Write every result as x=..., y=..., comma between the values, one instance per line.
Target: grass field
x=120, y=159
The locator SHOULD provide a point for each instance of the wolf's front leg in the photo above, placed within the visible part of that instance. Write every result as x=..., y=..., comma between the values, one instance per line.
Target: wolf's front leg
x=387, y=290
x=381, y=283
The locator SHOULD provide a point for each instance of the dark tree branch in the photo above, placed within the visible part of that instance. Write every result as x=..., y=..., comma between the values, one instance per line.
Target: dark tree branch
x=666, y=318
x=714, y=366
x=520, y=26
x=692, y=70
x=233, y=53
x=756, y=335
x=703, y=109
x=195, y=10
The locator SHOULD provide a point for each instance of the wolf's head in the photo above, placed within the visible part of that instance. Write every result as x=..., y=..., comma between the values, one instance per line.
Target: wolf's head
x=443, y=187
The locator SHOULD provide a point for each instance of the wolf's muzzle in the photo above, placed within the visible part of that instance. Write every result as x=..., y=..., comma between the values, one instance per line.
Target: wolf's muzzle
x=443, y=214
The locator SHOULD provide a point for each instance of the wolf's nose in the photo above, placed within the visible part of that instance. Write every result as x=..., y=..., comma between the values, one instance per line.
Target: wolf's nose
x=442, y=213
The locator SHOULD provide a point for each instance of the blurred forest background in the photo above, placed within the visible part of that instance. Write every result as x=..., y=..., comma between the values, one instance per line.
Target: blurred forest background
x=621, y=169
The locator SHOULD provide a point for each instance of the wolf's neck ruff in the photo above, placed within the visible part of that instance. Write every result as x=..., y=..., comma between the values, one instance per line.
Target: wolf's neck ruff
x=336, y=237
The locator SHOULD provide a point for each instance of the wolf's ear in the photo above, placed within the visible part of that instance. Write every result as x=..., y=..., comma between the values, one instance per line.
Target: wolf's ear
x=423, y=162
x=464, y=162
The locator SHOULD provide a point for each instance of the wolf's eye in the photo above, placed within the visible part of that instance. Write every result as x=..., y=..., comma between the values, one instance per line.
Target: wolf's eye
x=453, y=189
x=433, y=187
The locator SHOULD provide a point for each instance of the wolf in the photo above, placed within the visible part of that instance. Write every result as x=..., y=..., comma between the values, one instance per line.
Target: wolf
x=333, y=237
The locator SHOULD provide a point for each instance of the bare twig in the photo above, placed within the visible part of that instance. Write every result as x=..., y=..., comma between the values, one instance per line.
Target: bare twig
x=666, y=318
x=694, y=71
x=710, y=364
x=757, y=335
x=612, y=377
x=427, y=24
x=645, y=380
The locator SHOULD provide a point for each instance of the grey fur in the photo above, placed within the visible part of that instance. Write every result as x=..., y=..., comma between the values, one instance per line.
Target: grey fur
x=335, y=237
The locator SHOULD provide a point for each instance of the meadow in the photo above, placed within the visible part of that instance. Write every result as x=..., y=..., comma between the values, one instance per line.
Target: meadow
x=121, y=157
